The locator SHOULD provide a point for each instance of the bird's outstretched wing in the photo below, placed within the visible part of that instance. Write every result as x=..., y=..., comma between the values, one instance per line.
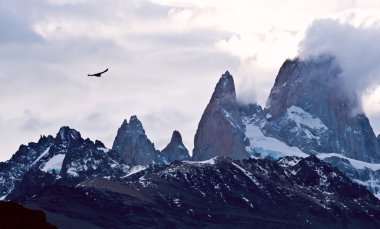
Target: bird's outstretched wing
x=103, y=71
x=99, y=74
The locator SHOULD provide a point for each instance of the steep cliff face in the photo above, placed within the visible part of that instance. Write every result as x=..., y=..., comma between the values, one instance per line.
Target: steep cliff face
x=220, y=131
x=175, y=150
x=308, y=109
x=133, y=145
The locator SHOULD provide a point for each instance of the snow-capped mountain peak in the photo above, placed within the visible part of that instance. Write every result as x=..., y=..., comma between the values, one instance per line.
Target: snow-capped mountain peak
x=308, y=90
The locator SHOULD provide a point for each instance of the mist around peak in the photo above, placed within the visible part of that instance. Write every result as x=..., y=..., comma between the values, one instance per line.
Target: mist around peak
x=355, y=52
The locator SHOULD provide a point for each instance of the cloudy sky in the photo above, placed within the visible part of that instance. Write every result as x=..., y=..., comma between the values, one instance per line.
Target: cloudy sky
x=165, y=57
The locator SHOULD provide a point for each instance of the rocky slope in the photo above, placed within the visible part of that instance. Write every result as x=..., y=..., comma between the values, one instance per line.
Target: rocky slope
x=13, y=215
x=216, y=193
x=220, y=131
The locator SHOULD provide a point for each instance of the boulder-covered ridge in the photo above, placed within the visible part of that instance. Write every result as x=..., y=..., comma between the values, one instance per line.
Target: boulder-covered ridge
x=311, y=91
x=220, y=131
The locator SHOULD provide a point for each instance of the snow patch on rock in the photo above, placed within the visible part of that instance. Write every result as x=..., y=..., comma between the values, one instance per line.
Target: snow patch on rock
x=73, y=172
x=210, y=161
x=41, y=156
x=55, y=163
x=355, y=163
x=135, y=169
x=301, y=117
x=230, y=119
x=105, y=150
x=268, y=146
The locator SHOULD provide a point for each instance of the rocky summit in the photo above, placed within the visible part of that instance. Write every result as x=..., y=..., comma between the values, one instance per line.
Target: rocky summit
x=133, y=145
x=175, y=150
x=308, y=108
x=220, y=131
x=135, y=148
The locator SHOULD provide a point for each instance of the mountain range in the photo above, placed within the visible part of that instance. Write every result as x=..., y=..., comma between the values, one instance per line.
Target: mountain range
x=310, y=149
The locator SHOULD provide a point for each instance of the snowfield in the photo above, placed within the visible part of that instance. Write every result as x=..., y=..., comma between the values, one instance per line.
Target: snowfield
x=262, y=146
x=355, y=163
x=268, y=146
x=55, y=163
x=301, y=117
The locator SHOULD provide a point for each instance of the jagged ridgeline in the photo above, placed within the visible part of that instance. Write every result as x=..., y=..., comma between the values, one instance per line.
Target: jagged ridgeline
x=135, y=148
x=308, y=150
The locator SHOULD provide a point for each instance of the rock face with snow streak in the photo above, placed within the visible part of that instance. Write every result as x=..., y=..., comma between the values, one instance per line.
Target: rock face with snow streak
x=67, y=155
x=306, y=108
x=83, y=161
x=260, y=145
x=36, y=155
x=175, y=150
x=133, y=145
x=91, y=159
x=300, y=114
x=366, y=174
x=220, y=131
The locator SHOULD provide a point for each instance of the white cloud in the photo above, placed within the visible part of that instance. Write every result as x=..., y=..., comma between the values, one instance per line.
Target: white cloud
x=164, y=56
x=354, y=46
x=152, y=65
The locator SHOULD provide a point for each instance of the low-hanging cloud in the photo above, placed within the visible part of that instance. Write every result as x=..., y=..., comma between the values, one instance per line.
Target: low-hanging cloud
x=356, y=50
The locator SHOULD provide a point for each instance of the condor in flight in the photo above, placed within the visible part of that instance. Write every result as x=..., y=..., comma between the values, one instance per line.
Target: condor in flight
x=99, y=74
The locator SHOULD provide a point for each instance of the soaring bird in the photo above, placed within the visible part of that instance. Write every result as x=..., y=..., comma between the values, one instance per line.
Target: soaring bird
x=99, y=74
